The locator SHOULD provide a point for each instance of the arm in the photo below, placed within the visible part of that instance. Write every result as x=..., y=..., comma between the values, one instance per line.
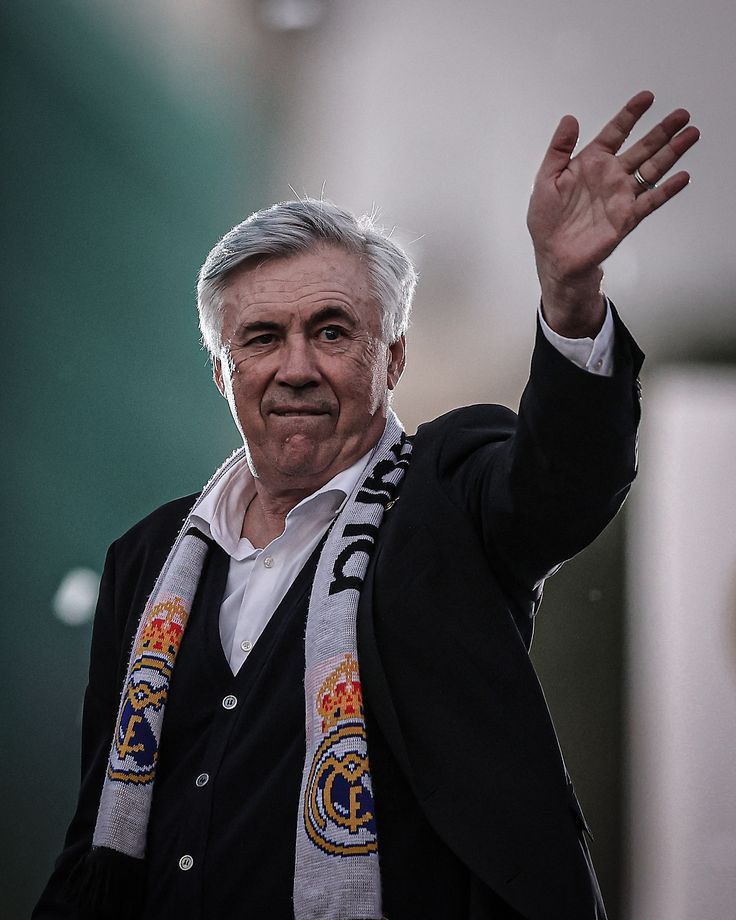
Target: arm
x=544, y=492
x=100, y=710
x=131, y=567
x=573, y=455
x=541, y=486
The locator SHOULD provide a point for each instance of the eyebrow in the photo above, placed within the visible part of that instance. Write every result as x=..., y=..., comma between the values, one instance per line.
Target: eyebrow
x=325, y=314
x=257, y=326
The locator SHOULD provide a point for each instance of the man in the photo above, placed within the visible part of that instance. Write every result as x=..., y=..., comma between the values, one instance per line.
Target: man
x=432, y=784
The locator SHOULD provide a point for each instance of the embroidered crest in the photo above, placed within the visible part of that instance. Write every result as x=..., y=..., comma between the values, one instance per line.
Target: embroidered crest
x=338, y=802
x=135, y=748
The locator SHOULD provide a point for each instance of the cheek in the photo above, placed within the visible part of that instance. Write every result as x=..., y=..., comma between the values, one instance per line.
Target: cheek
x=366, y=380
x=241, y=392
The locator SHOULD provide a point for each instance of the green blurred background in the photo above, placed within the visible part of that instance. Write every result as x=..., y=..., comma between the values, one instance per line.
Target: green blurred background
x=115, y=189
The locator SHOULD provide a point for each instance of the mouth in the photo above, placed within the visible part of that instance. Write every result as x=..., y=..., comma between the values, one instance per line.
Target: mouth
x=297, y=413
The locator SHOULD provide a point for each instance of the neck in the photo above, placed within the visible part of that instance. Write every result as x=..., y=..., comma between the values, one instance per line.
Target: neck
x=265, y=517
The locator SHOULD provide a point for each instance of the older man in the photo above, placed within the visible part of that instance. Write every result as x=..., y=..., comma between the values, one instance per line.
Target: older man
x=388, y=582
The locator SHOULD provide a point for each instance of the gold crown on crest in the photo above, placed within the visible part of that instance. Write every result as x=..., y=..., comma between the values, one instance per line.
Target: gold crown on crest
x=163, y=631
x=341, y=697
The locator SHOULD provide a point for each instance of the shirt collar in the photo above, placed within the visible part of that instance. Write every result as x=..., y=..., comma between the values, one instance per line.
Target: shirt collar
x=220, y=513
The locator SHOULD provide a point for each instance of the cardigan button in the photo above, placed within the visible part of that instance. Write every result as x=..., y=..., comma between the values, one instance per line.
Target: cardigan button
x=230, y=702
x=202, y=779
x=186, y=863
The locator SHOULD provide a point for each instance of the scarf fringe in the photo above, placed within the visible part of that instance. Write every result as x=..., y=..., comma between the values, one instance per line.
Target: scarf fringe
x=101, y=882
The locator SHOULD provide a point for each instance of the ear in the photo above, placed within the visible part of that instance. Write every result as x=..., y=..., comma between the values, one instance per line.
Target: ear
x=397, y=362
x=217, y=375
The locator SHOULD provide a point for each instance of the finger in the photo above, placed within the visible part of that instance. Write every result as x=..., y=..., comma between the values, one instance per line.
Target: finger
x=560, y=147
x=648, y=202
x=654, y=140
x=663, y=160
x=620, y=126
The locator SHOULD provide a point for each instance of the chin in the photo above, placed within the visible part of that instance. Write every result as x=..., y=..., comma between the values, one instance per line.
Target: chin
x=300, y=460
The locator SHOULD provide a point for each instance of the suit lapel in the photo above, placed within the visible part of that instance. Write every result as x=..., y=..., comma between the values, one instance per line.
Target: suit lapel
x=372, y=673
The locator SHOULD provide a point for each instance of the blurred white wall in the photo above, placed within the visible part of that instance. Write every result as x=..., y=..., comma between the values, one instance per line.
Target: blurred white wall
x=440, y=113
x=682, y=674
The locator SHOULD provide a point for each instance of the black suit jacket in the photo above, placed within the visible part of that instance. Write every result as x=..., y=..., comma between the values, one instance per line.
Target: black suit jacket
x=491, y=504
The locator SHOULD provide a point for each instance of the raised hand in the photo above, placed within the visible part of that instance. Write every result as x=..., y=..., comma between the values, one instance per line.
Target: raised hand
x=582, y=207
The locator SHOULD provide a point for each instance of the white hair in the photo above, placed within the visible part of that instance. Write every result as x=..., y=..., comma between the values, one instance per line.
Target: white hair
x=293, y=227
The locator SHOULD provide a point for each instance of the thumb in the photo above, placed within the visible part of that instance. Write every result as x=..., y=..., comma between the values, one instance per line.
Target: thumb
x=560, y=147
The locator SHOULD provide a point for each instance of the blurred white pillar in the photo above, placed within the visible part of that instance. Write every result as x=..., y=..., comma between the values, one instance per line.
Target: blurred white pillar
x=682, y=641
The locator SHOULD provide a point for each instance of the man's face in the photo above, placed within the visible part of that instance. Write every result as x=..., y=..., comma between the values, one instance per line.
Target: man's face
x=304, y=367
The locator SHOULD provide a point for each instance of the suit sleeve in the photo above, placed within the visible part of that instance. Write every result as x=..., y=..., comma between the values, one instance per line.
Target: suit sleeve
x=543, y=486
x=100, y=711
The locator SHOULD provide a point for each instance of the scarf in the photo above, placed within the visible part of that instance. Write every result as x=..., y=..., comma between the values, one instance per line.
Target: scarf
x=336, y=874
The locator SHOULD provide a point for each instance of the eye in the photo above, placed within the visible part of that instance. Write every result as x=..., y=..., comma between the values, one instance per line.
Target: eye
x=331, y=333
x=265, y=338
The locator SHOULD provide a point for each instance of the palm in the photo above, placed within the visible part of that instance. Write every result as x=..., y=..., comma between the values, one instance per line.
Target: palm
x=582, y=207
x=588, y=210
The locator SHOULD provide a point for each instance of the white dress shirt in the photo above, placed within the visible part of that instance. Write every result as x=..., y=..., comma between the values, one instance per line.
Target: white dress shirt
x=594, y=355
x=258, y=578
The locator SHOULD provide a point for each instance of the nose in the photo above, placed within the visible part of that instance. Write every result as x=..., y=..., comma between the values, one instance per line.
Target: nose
x=298, y=363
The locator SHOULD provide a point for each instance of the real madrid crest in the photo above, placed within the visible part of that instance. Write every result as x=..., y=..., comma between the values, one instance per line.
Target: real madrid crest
x=338, y=802
x=135, y=749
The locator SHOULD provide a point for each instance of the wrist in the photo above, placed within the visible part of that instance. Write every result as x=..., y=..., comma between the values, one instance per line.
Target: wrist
x=574, y=309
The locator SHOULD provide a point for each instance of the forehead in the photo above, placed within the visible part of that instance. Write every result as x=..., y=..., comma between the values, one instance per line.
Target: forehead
x=324, y=276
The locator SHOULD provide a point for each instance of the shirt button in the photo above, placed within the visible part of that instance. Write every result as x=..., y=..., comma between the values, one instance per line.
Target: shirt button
x=186, y=863
x=202, y=779
x=246, y=645
x=268, y=562
x=598, y=365
x=230, y=702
